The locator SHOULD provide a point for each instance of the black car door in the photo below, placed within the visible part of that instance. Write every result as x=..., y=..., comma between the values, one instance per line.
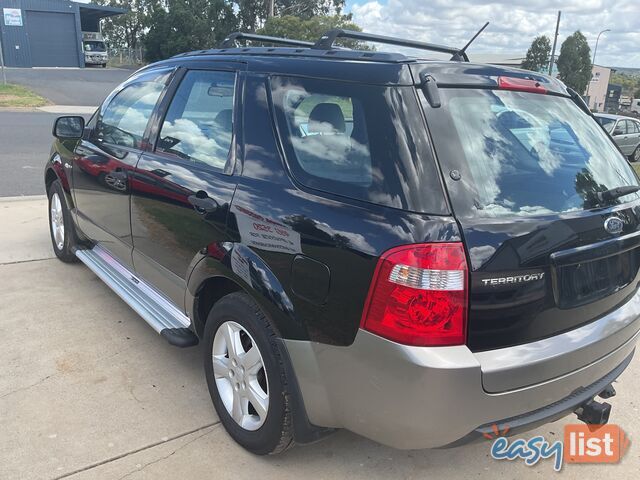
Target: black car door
x=106, y=157
x=183, y=185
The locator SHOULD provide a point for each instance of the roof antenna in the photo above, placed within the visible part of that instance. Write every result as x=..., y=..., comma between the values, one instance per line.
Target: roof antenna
x=460, y=55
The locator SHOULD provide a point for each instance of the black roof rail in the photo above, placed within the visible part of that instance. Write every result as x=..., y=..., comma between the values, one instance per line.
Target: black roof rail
x=230, y=41
x=327, y=40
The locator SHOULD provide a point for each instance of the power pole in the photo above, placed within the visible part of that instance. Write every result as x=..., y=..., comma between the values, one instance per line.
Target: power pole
x=555, y=42
x=593, y=62
x=270, y=8
x=4, y=74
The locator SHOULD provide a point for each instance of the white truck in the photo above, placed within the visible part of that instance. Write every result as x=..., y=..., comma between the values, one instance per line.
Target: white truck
x=95, y=50
x=635, y=105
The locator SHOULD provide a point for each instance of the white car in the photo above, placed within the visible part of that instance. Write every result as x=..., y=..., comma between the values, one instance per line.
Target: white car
x=625, y=132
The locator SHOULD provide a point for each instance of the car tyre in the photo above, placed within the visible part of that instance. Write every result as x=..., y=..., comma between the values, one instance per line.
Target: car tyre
x=243, y=361
x=635, y=157
x=61, y=227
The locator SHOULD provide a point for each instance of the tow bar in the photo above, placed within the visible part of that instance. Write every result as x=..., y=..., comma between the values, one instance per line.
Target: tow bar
x=594, y=413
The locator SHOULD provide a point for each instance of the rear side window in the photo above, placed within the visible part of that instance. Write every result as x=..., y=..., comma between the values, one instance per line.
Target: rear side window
x=359, y=141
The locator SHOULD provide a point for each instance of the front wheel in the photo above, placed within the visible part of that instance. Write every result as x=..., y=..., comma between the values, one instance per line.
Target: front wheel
x=246, y=375
x=635, y=157
x=61, y=224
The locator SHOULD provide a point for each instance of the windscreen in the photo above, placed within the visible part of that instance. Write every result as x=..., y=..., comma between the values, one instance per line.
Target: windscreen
x=514, y=153
x=94, y=46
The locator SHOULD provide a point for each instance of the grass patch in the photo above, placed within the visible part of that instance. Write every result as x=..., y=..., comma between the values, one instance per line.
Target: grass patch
x=18, y=96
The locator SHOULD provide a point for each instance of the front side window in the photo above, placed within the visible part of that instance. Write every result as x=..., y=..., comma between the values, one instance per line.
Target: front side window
x=364, y=142
x=621, y=128
x=124, y=120
x=198, y=126
x=523, y=153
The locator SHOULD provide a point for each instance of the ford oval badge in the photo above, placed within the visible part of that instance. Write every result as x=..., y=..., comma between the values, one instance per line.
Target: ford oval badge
x=613, y=225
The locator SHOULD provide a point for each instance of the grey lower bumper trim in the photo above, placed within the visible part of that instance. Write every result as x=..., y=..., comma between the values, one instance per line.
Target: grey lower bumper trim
x=550, y=413
x=423, y=397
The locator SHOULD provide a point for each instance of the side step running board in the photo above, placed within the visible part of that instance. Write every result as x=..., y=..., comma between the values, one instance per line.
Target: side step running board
x=163, y=316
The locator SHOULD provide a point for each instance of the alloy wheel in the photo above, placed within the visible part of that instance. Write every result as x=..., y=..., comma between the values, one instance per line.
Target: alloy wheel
x=240, y=375
x=57, y=221
x=636, y=155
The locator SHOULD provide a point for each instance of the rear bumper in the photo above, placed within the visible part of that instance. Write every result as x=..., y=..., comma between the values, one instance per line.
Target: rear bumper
x=96, y=60
x=416, y=397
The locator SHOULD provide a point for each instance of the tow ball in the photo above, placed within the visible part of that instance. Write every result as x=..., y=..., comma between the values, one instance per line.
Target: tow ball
x=594, y=413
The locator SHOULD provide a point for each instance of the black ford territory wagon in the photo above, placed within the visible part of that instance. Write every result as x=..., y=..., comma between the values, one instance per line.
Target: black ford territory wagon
x=414, y=250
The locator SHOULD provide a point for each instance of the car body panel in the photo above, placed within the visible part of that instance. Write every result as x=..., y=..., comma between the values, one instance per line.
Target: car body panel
x=307, y=257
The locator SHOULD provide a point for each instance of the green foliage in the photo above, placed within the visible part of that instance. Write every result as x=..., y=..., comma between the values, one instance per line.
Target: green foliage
x=308, y=8
x=538, y=54
x=186, y=25
x=175, y=26
x=252, y=14
x=125, y=31
x=630, y=83
x=574, y=62
x=311, y=29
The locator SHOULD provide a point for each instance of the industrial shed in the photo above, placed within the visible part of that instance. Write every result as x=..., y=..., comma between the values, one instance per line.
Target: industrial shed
x=48, y=33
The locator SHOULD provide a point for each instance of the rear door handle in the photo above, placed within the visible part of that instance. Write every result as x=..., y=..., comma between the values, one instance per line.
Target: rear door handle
x=203, y=202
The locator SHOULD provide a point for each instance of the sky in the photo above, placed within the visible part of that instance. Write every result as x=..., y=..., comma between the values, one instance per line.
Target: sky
x=514, y=24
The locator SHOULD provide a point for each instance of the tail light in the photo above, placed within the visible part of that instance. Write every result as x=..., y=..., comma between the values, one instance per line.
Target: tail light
x=418, y=295
x=520, y=85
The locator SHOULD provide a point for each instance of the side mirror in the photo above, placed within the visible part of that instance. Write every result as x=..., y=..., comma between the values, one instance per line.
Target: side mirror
x=68, y=128
x=617, y=131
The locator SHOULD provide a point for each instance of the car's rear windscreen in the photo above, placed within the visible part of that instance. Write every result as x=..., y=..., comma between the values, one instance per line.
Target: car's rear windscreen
x=521, y=154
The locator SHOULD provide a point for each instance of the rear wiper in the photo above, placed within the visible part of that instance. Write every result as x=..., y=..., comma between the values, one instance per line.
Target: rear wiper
x=617, y=192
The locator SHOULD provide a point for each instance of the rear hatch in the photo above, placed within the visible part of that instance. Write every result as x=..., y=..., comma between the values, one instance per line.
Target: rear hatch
x=523, y=170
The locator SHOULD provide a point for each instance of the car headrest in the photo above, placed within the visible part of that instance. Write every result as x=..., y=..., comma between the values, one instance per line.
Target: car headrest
x=326, y=118
x=224, y=119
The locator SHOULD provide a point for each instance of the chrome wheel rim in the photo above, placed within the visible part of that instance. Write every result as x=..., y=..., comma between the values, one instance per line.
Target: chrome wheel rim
x=636, y=155
x=57, y=221
x=240, y=375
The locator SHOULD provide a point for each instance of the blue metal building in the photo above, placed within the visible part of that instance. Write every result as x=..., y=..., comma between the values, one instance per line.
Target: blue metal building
x=47, y=33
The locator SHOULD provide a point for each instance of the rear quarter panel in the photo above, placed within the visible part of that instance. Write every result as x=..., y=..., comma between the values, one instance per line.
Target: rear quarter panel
x=306, y=257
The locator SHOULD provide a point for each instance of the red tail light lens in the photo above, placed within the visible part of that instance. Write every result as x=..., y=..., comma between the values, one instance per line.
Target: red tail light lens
x=418, y=295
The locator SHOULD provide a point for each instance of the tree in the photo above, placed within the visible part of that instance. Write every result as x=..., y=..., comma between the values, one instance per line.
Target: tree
x=538, y=54
x=175, y=26
x=125, y=31
x=308, y=8
x=186, y=25
x=574, y=62
x=252, y=14
x=311, y=29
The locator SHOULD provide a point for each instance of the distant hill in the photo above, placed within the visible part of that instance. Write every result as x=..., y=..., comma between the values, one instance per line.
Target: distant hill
x=632, y=72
